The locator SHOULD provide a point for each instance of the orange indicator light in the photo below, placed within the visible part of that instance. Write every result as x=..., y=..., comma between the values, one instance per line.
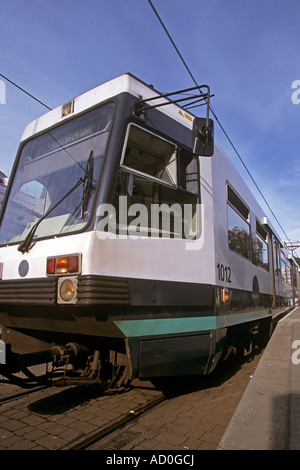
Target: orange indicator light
x=62, y=265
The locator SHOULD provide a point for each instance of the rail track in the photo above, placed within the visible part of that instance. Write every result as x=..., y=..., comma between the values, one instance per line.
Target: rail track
x=80, y=418
x=167, y=411
x=23, y=393
x=52, y=418
x=96, y=437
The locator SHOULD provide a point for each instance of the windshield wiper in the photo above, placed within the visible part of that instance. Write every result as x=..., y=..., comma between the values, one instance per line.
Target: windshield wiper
x=25, y=244
x=88, y=184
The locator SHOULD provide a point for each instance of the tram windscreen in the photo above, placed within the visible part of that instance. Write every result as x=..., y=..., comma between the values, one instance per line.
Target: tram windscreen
x=49, y=167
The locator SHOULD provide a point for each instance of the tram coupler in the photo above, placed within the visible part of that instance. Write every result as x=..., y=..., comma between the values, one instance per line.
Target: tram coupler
x=69, y=354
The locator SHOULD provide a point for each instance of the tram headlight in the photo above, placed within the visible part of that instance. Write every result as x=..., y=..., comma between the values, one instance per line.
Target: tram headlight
x=67, y=290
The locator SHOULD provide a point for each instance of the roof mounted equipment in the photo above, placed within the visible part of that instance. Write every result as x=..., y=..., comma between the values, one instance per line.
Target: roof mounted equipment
x=203, y=128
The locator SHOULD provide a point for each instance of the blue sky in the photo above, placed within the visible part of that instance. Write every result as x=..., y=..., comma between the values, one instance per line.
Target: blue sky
x=247, y=51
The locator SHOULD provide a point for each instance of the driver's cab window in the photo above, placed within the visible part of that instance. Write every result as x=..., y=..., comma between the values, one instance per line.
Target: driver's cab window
x=162, y=178
x=151, y=155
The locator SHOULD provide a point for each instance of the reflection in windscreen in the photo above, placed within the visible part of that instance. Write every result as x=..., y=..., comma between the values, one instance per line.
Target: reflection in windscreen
x=49, y=166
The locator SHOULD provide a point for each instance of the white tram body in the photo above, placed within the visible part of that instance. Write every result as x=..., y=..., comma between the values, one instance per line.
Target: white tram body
x=155, y=293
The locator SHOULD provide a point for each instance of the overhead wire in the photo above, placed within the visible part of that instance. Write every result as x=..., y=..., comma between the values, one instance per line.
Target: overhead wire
x=50, y=109
x=214, y=114
x=24, y=91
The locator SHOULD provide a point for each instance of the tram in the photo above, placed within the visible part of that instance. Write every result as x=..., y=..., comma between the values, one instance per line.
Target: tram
x=129, y=244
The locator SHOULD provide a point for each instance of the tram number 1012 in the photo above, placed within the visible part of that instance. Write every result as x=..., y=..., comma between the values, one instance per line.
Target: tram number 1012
x=224, y=273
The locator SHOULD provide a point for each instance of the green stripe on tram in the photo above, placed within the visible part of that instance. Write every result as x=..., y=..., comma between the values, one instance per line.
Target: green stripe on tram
x=166, y=326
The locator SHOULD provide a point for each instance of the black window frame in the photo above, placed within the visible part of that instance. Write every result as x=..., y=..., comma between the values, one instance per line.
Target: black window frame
x=237, y=205
x=261, y=235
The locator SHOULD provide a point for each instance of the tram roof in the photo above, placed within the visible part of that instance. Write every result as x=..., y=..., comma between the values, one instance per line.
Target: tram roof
x=126, y=83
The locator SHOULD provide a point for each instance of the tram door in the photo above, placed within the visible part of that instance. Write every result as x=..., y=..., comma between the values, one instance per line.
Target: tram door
x=276, y=273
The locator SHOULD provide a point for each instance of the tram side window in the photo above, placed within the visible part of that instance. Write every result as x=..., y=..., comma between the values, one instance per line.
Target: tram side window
x=283, y=267
x=262, y=256
x=238, y=225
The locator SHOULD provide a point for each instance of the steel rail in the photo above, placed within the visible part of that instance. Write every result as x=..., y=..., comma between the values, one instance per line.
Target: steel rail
x=95, y=437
